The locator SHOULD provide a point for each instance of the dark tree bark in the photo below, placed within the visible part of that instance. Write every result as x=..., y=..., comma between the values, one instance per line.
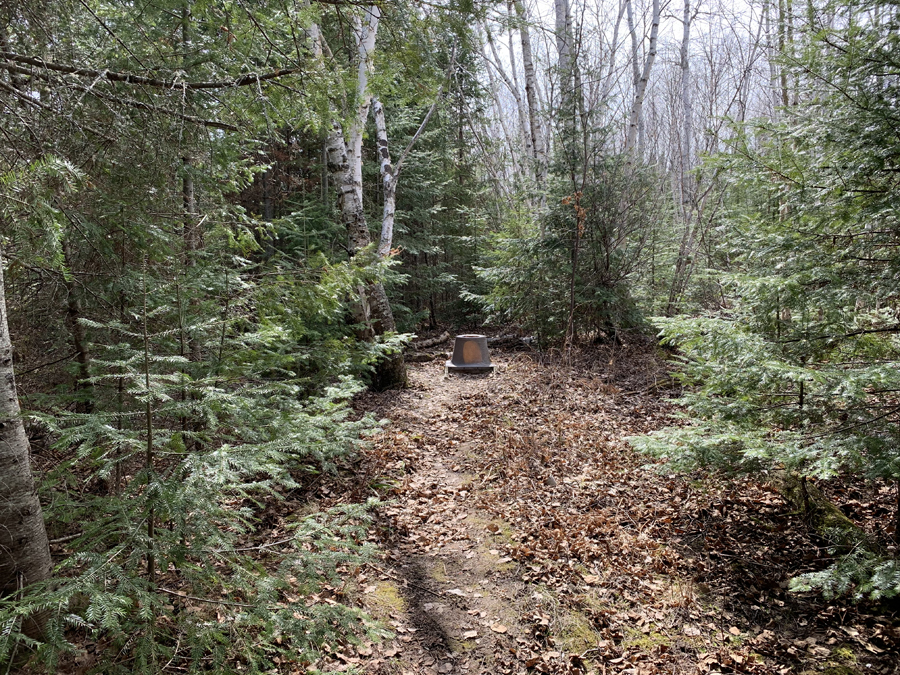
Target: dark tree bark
x=79, y=339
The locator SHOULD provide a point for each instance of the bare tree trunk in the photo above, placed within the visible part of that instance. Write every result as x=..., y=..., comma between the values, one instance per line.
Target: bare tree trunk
x=79, y=340
x=345, y=165
x=572, y=147
x=609, y=79
x=512, y=84
x=388, y=180
x=563, y=31
x=534, y=117
x=501, y=117
x=768, y=6
x=782, y=42
x=679, y=280
x=24, y=550
x=641, y=88
x=635, y=68
x=192, y=236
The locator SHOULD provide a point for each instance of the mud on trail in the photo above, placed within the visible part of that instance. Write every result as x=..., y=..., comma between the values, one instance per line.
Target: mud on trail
x=521, y=534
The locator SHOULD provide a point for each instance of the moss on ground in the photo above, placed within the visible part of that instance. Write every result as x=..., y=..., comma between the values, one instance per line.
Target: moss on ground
x=837, y=669
x=576, y=633
x=635, y=638
x=385, y=600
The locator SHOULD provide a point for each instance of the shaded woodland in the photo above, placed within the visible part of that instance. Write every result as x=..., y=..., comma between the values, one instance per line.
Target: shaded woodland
x=234, y=236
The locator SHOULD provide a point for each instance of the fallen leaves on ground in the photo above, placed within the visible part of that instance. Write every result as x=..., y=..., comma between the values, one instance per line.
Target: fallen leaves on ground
x=572, y=553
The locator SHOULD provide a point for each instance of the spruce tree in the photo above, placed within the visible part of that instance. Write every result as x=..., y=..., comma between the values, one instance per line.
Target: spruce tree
x=799, y=371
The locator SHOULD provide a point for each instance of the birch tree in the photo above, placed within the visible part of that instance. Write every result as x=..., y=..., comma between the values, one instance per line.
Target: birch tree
x=538, y=137
x=345, y=165
x=24, y=550
x=640, y=89
x=345, y=162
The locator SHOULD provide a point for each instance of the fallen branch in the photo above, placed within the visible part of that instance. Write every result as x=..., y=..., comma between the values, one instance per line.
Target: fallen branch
x=211, y=601
x=431, y=342
x=67, y=538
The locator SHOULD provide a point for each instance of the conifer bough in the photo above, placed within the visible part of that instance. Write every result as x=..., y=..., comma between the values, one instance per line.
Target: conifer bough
x=132, y=78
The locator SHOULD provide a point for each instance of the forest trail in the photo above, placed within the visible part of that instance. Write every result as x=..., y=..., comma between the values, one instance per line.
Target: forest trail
x=521, y=534
x=493, y=474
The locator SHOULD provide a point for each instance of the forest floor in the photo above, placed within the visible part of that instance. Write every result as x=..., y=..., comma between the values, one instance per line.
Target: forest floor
x=521, y=534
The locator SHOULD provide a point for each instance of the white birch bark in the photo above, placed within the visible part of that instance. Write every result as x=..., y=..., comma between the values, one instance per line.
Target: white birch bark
x=388, y=182
x=345, y=167
x=635, y=67
x=534, y=108
x=365, y=65
x=641, y=88
x=24, y=550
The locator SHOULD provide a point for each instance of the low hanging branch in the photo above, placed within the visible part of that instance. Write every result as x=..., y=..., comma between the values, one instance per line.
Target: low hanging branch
x=132, y=78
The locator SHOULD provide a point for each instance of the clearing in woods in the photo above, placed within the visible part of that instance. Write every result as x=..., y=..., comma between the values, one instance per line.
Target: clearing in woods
x=521, y=534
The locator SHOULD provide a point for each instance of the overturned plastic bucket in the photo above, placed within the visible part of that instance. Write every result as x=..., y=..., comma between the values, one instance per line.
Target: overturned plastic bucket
x=470, y=355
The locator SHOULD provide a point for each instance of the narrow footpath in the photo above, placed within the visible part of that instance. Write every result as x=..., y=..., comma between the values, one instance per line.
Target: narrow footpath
x=521, y=534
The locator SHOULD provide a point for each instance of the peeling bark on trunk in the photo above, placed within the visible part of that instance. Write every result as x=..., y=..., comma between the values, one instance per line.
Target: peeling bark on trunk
x=351, y=216
x=345, y=166
x=24, y=550
x=388, y=181
x=391, y=371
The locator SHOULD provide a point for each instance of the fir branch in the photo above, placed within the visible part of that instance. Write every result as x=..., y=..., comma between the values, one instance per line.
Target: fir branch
x=133, y=78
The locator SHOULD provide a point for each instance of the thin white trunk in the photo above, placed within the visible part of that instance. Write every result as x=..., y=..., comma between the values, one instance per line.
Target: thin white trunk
x=514, y=69
x=344, y=159
x=388, y=182
x=534, y=108
x=685, y=250
x=608, y=81
x=365, y=54
x=688, y=111
x=635, y=67
x=495, y=65
x=501, y=117
x=641, y=87
x=564, y=52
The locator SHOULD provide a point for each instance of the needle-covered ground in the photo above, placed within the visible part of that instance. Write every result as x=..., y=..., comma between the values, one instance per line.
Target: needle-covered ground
x=521, y=534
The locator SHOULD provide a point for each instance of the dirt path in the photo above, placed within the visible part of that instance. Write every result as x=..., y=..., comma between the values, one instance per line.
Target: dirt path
x=450, y=584
x=455, y=591
x=522, y=535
